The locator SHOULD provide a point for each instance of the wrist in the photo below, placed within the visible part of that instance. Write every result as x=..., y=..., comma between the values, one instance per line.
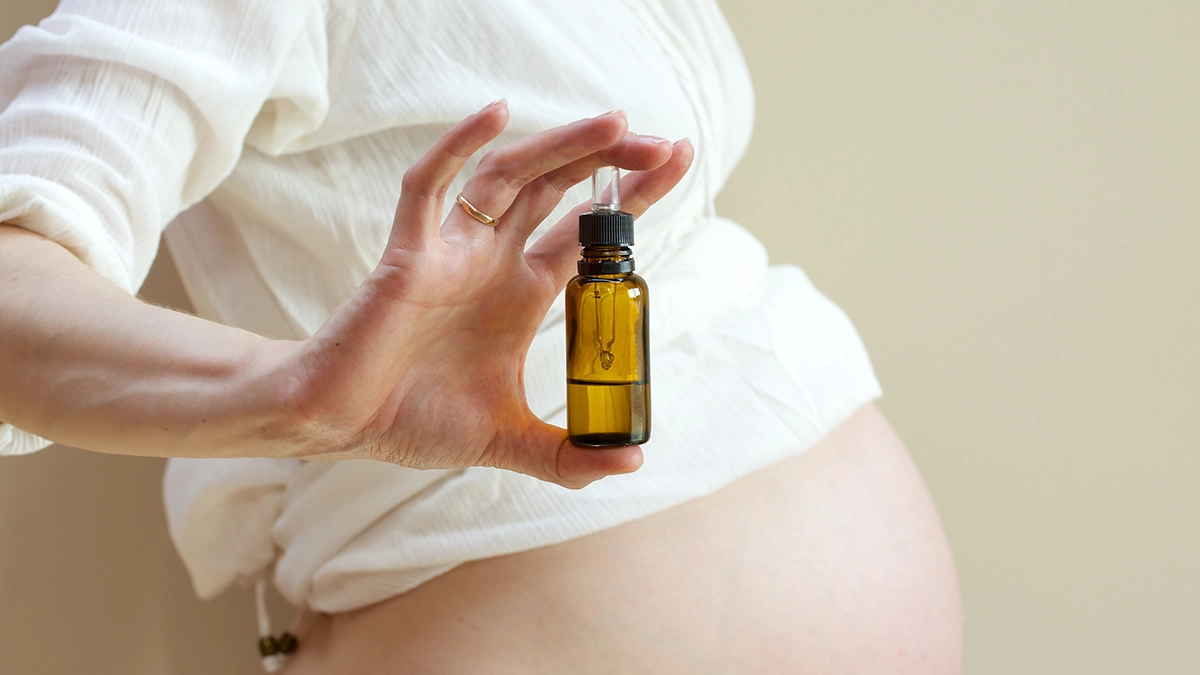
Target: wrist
x=268, y=399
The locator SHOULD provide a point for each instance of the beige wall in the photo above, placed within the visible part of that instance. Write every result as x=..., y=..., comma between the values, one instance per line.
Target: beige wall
x=1003, y=195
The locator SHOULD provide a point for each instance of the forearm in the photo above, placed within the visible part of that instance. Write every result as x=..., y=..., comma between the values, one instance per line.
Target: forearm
x=85, y=364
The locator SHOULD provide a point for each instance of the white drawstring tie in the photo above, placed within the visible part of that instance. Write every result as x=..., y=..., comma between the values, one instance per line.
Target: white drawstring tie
x=273, y=651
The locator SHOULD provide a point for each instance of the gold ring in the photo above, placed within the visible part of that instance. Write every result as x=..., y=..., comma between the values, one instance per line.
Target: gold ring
x=475, y=213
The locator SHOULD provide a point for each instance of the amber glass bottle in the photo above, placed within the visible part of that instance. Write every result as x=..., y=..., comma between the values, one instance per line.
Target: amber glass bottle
x=608, y=328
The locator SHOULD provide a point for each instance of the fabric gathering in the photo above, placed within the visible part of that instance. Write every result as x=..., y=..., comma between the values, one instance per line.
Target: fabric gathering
x=266, y=142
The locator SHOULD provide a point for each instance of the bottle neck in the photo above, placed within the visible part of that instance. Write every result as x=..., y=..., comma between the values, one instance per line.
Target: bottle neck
x=606, y=261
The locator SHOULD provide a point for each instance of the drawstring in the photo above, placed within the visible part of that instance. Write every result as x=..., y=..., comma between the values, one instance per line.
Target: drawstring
x=273, y=651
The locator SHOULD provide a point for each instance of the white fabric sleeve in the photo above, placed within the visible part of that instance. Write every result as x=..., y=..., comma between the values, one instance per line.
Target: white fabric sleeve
x=116, y=116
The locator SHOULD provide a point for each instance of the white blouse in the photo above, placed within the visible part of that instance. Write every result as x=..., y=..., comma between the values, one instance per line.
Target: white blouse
x=272, y=137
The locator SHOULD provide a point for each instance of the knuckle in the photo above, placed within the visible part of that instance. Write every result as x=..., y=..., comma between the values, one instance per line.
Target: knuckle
x=496, y=168
x=559, y=184
x=490, y=159
x=564, y=149
x=412, y=178
x=416, y=183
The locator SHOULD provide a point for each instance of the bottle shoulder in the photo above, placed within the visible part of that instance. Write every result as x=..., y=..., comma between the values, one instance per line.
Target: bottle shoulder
x=627, y=281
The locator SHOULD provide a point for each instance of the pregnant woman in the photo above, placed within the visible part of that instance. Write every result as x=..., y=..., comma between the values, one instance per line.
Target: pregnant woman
x=369, y=413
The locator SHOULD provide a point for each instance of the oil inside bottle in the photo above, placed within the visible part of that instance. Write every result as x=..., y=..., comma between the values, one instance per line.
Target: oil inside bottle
x=608, y=413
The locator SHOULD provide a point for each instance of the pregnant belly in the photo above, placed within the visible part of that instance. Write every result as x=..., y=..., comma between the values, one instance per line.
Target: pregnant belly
x=831, y=561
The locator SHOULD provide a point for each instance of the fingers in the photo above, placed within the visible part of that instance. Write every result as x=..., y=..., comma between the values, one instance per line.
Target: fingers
x=554, y=255
x=538, y=199
x=544, y=452
x=647, y=188
x=503, y=173
x=423, y=191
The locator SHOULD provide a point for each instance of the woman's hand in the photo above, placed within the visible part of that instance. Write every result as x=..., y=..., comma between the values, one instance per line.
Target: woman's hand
x=423, y=365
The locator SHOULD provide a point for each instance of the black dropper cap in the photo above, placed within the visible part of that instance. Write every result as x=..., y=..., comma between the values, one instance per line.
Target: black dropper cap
x=606, y=224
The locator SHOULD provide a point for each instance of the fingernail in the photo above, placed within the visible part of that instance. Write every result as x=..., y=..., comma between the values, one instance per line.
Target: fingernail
x=685, y=139
x=610, y=113
x=495, y=103
x=645, y=138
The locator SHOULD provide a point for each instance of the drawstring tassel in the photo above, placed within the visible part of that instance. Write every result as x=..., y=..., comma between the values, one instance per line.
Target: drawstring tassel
x=273, y=651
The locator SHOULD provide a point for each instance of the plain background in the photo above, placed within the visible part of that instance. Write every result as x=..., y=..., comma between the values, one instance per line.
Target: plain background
x=1004, y=196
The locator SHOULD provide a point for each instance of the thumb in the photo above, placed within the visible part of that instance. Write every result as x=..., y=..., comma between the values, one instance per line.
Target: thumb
x=544, y=451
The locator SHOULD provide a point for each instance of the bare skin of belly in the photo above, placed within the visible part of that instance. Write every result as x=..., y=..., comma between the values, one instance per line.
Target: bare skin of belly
x=833, y=561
